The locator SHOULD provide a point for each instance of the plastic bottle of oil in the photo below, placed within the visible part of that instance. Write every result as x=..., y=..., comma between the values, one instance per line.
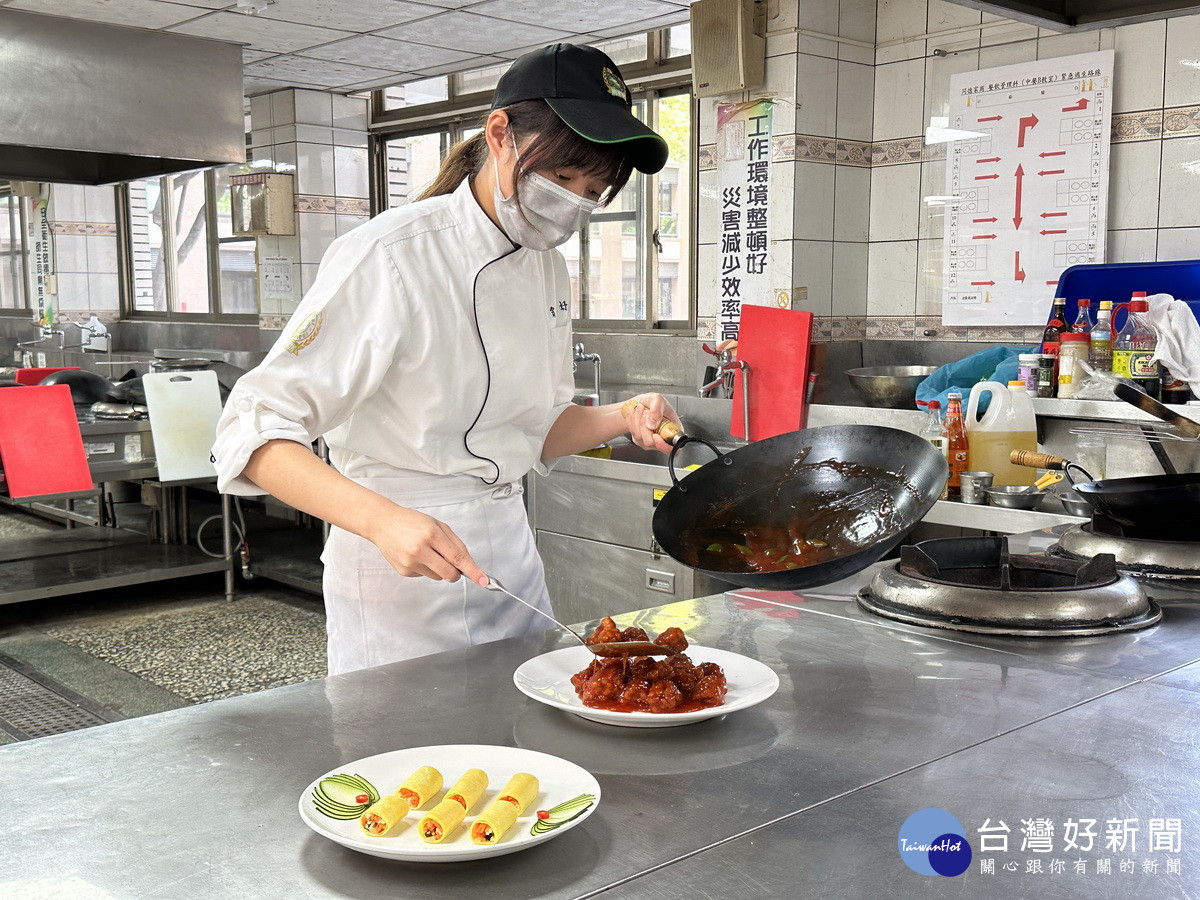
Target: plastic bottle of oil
x=1009, y=424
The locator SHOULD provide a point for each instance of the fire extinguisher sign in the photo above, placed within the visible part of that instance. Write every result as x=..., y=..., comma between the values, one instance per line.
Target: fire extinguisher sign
x=1026, y=184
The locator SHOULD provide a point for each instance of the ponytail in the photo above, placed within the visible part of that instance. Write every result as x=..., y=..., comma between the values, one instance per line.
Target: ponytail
x=462, y=161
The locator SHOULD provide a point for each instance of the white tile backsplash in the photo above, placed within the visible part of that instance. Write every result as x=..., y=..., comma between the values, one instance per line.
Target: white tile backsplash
x=929, y=277
x=1182, y=61
x=998, y=50
x=782, y=203
x=1133, y=185
x=849, y=279
x=938, y=72
x=899, y=99
x=856, y=20
x=350, y=172
x=101, y=253
x=1179, y=185
x=68, y=203
x=818, y=19
x=312, y=108
x=316, y=232
x=855, y=101
x=944, y=16
x=816, y=95
x=1139, y=245
x=1051, y=45
x=1179, y=243
x=70, y=253
x=932, y=214
x=813, y=270
x=895, y=202
x=1138, y=66
x=899, y=25
x=781, y=85
x=72, y=292
x=814, y=192
x=100, y=204
x=892, y=278
x=314, y=169
x=103, y=291
x=852, y=203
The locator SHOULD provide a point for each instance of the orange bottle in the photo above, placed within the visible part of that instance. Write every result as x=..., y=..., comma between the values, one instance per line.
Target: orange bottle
x=954, y=429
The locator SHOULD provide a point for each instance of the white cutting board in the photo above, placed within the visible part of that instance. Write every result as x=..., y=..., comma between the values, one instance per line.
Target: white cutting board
x=184, y=408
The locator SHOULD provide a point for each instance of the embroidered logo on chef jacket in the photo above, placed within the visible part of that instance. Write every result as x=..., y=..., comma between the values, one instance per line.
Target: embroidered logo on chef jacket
x=613, y=83
x=306, y=332
x=560, y=313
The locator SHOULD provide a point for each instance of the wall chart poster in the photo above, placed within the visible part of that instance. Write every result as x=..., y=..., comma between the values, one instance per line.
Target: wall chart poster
x=1027, y=179
x=743, y=176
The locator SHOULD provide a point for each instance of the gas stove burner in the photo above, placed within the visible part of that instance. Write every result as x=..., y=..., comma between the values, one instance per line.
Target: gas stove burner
x=976, y=585
x=1140, y=552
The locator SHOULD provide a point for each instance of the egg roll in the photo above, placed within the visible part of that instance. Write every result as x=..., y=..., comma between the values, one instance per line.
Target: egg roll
x=436, y=825
x=384, y=815
x=501, y=813
x=420, y=786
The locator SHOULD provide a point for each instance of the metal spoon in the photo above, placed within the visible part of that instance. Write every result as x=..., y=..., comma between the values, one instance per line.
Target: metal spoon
x=612, y=648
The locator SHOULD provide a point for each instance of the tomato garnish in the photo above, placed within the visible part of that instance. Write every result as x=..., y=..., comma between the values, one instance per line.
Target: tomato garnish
x=362, y=798
x=543, y=813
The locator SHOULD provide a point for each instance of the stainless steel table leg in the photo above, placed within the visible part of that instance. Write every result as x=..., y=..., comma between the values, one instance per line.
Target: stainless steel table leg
x=227, y=536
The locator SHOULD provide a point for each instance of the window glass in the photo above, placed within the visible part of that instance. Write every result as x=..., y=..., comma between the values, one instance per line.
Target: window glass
x=190, y=230
x=412, y=165
x=613, y=257
x=678, y=41
x=146, y=241
x=11, y=259
x=236, y=256
x=416, y=93
x=484, y=79
x=674, y=198
x=626, y=50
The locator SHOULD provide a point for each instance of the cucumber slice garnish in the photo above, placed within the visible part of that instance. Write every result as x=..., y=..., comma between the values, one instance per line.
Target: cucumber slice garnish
x=337, y=796
x=563, y=813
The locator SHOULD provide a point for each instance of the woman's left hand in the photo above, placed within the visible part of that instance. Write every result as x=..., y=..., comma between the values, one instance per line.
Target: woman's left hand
x=643, y=418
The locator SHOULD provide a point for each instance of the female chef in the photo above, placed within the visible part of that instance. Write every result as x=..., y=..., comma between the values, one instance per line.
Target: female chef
x=433, y=353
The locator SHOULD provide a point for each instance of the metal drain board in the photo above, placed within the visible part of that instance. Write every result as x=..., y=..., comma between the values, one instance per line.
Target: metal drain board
x=32, y=705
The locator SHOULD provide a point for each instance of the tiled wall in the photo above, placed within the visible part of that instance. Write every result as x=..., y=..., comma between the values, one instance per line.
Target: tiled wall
x=322, y=139
x=83, y=223
x=854, y=166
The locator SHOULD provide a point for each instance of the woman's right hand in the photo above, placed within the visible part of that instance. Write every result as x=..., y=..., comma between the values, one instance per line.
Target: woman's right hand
x=418, y=545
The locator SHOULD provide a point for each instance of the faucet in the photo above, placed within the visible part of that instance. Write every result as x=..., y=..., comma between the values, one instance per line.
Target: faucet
x=94, y=337
x=579, y=356
x=726, y=366
x=46, y=332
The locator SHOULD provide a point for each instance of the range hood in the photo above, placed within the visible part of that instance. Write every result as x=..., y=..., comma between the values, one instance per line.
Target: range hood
x=1071, y=15
x=84, y=103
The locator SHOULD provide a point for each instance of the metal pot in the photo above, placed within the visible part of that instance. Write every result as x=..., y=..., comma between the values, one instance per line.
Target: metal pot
x=1156, y=501
x=856, y=488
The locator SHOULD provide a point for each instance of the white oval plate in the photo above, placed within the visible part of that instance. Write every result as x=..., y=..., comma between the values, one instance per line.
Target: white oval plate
x=547, y=679
x=558, y=779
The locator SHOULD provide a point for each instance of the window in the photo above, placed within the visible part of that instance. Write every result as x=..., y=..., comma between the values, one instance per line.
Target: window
x=632, y=268
x=12, y=253
x=183, y=256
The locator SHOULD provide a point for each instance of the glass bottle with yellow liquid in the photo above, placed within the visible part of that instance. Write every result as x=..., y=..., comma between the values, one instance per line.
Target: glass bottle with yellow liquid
x=1009, y=424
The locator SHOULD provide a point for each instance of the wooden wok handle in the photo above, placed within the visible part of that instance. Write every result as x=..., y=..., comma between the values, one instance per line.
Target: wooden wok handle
x=1034, y=460
x=667, y=430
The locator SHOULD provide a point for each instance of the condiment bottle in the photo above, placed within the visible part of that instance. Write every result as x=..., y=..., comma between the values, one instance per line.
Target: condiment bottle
x=1052, y=336
x=954, y=430
x=1028, y=371
x=932, y=429
x=1100, y=349
x=1174, y=389
x=1083, y=321
x=1074, y=350
x=1133, y=349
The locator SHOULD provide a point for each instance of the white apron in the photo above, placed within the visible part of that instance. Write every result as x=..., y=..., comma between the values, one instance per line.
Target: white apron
x=374, y=615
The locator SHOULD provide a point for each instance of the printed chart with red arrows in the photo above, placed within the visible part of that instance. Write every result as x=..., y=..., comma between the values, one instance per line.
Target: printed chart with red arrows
x=1027, y=185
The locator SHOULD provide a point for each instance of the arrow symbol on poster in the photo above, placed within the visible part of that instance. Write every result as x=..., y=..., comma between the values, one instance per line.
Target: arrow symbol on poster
x=982, y=282
x=1082, y=104
x=985, y=177
x=1047, y=215
x=982, y=237
x=992, y=219
x=1052, y=171
x=1018, y=272
x=1026, y=122
x=1020, y=175
x=1053, y=153
x=1055, y=231
x=990, y=119
x=990, y=159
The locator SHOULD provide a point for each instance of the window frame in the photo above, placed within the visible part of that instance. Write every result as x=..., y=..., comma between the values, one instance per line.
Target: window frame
x=655, y=77
x=21, y=255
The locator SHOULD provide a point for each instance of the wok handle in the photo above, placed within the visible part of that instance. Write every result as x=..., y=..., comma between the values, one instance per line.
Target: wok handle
x=1033, y=460
x=686, y=439
x=666, y=429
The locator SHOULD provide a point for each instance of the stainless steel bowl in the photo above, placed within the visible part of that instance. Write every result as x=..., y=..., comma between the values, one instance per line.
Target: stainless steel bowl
x=893, y=387
x=1013, y=496
x=1075, y=504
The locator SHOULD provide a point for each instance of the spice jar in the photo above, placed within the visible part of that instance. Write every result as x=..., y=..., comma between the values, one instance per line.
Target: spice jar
x=1046, y=377
x=1027, y=371
x=1074, y=351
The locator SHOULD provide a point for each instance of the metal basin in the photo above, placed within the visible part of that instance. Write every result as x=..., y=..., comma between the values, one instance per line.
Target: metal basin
x=891, y=387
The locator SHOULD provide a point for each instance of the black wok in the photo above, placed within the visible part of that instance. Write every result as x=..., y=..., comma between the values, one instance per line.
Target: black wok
x=858, y=488
x=86, y=387
x=1151, y=501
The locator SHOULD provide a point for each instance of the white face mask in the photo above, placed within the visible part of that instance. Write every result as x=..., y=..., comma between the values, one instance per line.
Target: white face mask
x=548, y=215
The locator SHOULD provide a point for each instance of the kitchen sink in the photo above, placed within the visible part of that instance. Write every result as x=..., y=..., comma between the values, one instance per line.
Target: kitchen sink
x=689, y=455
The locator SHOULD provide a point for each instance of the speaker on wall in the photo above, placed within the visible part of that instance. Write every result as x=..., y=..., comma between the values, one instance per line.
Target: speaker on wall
x=727, y=55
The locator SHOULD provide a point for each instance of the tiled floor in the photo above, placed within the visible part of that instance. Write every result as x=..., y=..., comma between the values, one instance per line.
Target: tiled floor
x=133, y=651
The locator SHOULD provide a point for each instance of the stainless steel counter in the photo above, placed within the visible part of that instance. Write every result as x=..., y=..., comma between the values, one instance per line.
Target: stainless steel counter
x=803, y=795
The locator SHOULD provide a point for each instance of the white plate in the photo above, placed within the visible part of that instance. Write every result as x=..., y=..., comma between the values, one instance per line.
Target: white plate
x=547, y=678
x=558, y=779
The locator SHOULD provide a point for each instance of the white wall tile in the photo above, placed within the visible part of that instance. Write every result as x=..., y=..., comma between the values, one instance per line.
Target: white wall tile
x=929, y=277
x=855, y=101
x=348, y=223
x=899, y=25
x=813, y=269
x=103, y=291
x=1183, y=61
x=895, y=202
x=260, y=112
x=1000, y=52
x=708, y=120
x=849, y=279
x=814, y=201
x=70, y=253
x=852, y=203
x=68, y=203
x=1000, y=30
x=782, y=14
x=1138, y=68
x=781, y=84
x=1133, y=185
x=101, y=254
x=856, y=20
x=892, y=278
x=314, y=134
x=781, y=45
x=819, y=18
x=779, y=264
x=933, y=184
x=316, y=232
x=1179, y=243
x=314, y=169
x=938, y=72
x=1052, y=45
x=308, y=274
x=312, y=108
x=284, y=159
x=349, y=112
x=1140, y=245
x=72, y=292
x=816, y=95
x=781, y=205
x=899, y=100
x=100, y=203
x=1179, y=184
x=350, y=172
x=943, y=16
x=283, y=107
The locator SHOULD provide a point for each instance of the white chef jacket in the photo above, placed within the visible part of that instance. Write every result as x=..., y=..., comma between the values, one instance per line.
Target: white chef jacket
x=433, y=356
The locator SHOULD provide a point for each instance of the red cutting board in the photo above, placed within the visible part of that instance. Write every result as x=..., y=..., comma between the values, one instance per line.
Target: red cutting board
x=775, y=344
x=35, y=376
x=40, y=444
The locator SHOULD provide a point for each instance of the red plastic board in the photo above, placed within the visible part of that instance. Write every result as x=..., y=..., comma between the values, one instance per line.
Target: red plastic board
x=775, y=344
x=40, y=444
x=35, y=376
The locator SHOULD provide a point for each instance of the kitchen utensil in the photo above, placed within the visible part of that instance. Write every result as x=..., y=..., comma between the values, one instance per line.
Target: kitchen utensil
x=86, y=387
x=1075, y=504
x=666, y=429
x=1146, y=403
x=973, y=486
x=775, y=344
x=1013, y=496
x=860, y=488
x=1034, y=460
x=891, y=387
x=612, y=648
x=40, y=444
x=184, y=409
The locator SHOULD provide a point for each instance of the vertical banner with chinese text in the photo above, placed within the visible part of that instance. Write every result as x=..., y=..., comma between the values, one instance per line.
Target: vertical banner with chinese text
x=743, y=179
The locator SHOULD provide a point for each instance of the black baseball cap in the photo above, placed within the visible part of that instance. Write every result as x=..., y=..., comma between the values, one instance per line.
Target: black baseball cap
x=585, y=89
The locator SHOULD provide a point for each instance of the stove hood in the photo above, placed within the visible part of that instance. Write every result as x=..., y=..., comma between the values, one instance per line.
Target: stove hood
x=97, y=104
x=1068, y=15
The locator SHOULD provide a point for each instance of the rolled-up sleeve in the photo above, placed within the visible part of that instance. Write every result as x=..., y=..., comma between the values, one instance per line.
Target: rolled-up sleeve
x=333, y=354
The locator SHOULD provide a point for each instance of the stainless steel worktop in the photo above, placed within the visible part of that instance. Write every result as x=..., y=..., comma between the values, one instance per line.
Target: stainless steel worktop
x=801, y=796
